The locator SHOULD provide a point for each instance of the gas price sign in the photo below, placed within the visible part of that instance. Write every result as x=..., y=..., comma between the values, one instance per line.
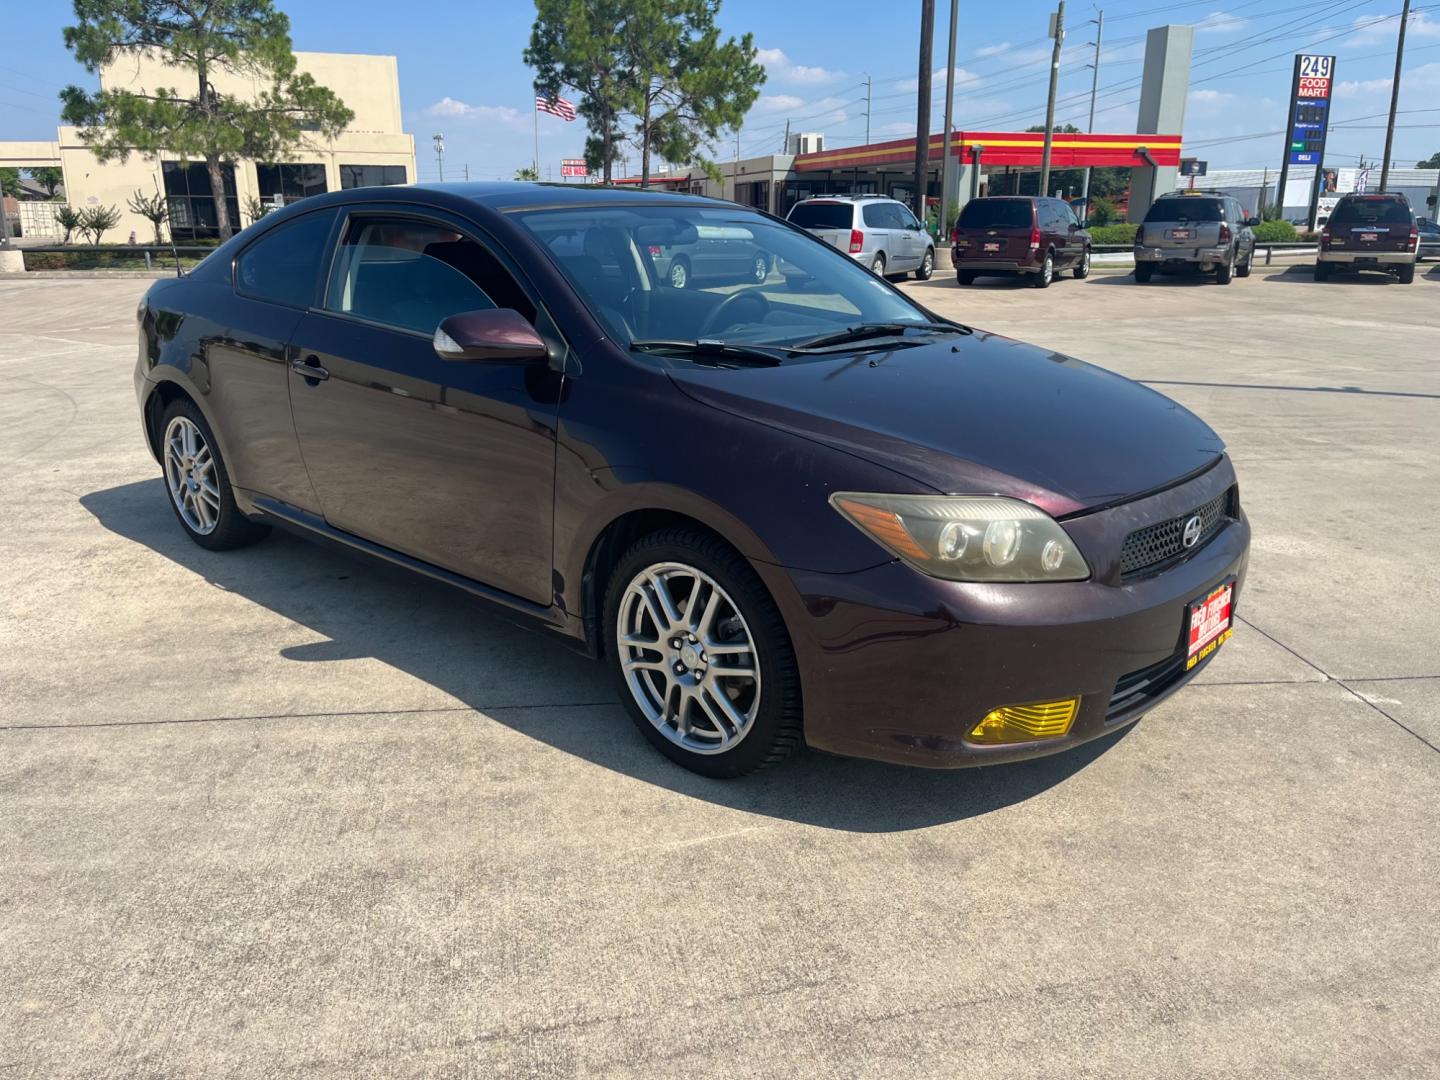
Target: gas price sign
x=1310, y=108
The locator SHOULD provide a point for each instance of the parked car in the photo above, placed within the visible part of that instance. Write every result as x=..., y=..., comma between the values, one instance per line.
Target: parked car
x=719, y=254
x=1184, y=230
x=1370, y=232
x=1019, y=235
x=879, y=232
x=1429, y=240
x=833, y=519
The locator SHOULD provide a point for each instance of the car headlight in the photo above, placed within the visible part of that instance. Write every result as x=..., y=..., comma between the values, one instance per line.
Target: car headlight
x=966, y=537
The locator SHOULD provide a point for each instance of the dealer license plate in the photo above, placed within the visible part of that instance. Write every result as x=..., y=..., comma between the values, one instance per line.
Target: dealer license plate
x=1209, y=623
x=992, y=247
x=1180, y=234
x=1370, y=236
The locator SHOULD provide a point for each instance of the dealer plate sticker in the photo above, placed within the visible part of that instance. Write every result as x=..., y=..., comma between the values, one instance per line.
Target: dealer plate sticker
x=1210, y=623
x=992, y=247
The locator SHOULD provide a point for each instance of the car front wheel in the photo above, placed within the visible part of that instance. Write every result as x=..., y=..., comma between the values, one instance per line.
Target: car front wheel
x=701, y=656
x=199, y=485
x=679, y=274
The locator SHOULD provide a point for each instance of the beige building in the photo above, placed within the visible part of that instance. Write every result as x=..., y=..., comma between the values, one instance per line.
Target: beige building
x=371, y=150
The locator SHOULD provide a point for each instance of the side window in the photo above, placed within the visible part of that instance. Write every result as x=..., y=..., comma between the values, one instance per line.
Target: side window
x=1069, y=217
x=413, y=275
x=907, y=218
x=875, y=216
x=285, y=265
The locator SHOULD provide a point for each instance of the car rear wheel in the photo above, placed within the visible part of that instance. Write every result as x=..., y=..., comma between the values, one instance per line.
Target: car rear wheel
x=1222, y=274
x=1047, y=272
x=877, y=265
x=927, y=266
x=701, y=655
x=1405, y=275
x=1322, y=271
x=1082, y=268
x=1144, y=272
x=199, y=486
x=965, y=277
x=1243, y=270
x=679, y=274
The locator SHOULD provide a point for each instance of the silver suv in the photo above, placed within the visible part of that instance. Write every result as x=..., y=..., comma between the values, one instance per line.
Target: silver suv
x=875, y=230
x=1205, y=231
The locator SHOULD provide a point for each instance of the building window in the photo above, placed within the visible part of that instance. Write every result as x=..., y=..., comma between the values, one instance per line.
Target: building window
x=353, y=176
x=755, y=194
x=287, y=183
x=192, y=207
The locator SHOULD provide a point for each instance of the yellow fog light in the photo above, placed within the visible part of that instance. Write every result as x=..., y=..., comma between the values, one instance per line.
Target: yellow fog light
x=1025, y=723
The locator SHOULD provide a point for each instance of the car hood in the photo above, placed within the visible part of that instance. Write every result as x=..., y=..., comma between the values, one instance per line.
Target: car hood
x=982, y=413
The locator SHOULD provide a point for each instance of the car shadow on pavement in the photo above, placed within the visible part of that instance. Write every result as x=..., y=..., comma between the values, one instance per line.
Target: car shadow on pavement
x=1304, y=273
x=365, y=608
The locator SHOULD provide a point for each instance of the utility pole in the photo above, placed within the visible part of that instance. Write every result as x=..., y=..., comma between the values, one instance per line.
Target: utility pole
x=1394, y=97
x=949, y=121
x=1264, y=194
x=922, y=108
x=735, y=176
x=1099, y=23
x=467, y=172
x=869, y=85
x=440, y=154
x=1057, y=31
x=785, y=146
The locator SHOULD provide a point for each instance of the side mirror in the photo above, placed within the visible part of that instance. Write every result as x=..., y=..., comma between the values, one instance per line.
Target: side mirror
x=489, y=334
x=1252, y=221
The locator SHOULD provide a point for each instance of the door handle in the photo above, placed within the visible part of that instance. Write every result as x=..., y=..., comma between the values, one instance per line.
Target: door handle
x=310, y=368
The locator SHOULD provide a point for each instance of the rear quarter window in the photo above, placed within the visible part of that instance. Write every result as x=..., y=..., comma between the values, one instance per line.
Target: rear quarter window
x=284, y=266
x=823, y=215
x=1186, y=209
x=1370, y=212
x=996, y=214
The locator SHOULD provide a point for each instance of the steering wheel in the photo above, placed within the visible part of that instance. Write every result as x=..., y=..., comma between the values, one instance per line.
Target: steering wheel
x=729, y=304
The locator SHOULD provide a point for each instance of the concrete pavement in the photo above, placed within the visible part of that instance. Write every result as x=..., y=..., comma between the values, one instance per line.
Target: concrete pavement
x=281, y=813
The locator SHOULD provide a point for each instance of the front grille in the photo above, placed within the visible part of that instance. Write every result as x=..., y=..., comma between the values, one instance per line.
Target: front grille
x=1144, y=685
x=1157, y=546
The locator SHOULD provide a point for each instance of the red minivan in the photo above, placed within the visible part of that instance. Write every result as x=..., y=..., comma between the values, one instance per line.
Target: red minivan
x=1370, y=232
x=1019, y=235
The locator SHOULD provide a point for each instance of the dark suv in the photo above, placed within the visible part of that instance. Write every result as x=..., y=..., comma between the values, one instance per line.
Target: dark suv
x=1370, y=232
x=1208, y=232
x=1015, y=234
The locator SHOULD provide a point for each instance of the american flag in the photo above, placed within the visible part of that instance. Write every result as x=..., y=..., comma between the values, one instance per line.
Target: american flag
x=556, y=107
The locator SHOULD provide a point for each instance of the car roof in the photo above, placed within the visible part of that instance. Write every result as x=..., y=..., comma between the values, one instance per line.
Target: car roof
x=503, y=196
x=846, y=198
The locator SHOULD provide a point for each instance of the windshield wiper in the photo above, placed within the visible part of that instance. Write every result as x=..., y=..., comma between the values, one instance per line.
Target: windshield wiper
x=866, y=331
x=709, y=347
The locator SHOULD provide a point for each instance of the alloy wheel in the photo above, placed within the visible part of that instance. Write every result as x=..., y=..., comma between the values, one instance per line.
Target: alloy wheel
x=679, y=276
x=190, y=475
x=762, y=268
x=688, y=657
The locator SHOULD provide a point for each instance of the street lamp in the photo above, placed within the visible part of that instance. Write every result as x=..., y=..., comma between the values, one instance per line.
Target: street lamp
x=440, y=153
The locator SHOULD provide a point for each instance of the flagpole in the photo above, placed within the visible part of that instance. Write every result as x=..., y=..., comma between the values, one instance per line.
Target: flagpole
x=536, y=115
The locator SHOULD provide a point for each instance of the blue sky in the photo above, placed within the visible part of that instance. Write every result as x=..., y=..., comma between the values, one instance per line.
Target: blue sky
x=461, y=72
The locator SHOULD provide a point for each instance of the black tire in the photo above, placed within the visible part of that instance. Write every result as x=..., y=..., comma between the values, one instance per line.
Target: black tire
x=1082, y=268
x=232, y=528
x=965, y=277
x=1144, y=272
x=1322, y=271
x=1243, y=269
x=927, y=266
x=877, y=264
x=777, y=729
x=1406, y=274
x=682, y=279
x=1046, y=274
x=1223, y=273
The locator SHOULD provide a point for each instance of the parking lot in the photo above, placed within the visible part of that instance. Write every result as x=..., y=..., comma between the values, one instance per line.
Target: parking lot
x=280, y=812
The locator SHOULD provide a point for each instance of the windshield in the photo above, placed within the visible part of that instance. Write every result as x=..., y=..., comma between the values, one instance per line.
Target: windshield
x=1185, y=208
x=822, y=215
x=718, y=273
x=1370, y=211
x=996, y=214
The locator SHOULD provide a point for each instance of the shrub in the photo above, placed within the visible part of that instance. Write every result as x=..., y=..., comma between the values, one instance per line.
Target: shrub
x=68, y=218
x=1119, y=233
x=1102, y=212
x=1275, y=232
x=95, y=221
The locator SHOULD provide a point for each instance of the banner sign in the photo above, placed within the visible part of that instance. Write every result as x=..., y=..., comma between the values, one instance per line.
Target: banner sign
x=573, y=167
x=1309, y=119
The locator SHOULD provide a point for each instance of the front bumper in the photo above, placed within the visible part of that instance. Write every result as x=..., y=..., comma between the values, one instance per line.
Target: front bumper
x=1367, y=258
x=898, y=666
x=1204, y=256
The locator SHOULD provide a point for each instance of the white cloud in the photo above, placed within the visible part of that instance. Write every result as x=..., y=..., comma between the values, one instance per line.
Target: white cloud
x=993, y=50
x=782, y=69
x=963, y=78
x=1376, y=28
x=453, y=108
x=1220, y=22
x=777, y=103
